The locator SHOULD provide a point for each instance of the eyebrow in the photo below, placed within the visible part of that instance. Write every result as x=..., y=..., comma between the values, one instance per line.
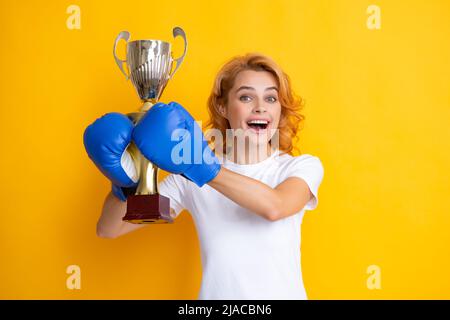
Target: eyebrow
x=251, y=88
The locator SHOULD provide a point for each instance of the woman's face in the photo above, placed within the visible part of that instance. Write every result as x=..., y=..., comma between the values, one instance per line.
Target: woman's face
x=253, y=105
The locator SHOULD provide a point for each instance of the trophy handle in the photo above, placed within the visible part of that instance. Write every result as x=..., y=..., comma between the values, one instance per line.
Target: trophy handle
x=122, y=35
x=177, y=31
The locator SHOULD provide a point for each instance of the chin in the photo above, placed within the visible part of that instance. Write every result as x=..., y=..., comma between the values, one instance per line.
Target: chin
x=251, y=137
x=258, y=139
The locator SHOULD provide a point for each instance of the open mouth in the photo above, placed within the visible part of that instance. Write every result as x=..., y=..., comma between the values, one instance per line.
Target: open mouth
x=258, y=125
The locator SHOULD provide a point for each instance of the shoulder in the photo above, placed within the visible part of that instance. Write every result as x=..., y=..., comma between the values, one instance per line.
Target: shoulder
x=305, y=165
x=304, y=160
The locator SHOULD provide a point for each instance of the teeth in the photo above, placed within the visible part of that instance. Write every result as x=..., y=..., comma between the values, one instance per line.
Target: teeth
x=258, y=122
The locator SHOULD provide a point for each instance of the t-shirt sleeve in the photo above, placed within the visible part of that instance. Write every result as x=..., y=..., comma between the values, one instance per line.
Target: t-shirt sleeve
x=310, y=169
x=173, y=187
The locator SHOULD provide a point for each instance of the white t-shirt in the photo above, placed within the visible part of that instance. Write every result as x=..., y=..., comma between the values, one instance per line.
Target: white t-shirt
x=245, y=256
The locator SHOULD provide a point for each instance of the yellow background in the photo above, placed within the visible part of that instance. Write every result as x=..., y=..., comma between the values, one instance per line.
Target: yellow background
x=377, y=114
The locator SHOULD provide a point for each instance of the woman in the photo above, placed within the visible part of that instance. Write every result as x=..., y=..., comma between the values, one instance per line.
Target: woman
x=247, y=200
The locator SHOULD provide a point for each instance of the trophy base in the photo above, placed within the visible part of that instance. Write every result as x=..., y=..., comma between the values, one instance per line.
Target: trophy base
x=148, y=208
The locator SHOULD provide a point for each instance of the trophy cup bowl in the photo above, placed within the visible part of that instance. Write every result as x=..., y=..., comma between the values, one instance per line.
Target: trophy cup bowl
x=149, y=67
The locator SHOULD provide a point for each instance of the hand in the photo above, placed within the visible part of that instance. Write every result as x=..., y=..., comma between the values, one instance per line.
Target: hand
x=168, y=136
x=106, y=141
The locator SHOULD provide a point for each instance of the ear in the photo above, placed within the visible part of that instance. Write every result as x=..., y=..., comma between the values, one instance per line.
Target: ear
x=222, y=110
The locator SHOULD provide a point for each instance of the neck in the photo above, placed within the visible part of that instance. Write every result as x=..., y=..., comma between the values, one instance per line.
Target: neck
x=251, y=154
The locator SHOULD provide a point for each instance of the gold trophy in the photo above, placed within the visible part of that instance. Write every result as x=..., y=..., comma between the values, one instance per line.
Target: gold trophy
x=149, y=66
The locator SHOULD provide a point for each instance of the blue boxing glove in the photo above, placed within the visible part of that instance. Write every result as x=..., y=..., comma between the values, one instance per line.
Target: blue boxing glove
x=106, y=141
x=168, y=136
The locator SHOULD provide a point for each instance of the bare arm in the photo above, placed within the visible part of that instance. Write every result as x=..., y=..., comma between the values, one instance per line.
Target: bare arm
x=110, y=224
x=284, y=200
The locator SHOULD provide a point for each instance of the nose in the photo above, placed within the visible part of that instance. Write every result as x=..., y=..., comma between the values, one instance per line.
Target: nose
x=259, y=108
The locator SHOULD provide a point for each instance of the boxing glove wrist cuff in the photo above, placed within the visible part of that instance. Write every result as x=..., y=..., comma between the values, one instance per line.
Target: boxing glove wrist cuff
x=122, y=193
x=202, y=175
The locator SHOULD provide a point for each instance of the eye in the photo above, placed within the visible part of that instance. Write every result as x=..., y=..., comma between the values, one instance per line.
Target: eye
x=244, y=97
x=272, y=97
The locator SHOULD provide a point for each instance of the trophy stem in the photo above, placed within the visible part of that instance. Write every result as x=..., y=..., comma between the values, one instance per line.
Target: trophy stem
x=146, y=106
x=148, y=172
x=148, y=184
